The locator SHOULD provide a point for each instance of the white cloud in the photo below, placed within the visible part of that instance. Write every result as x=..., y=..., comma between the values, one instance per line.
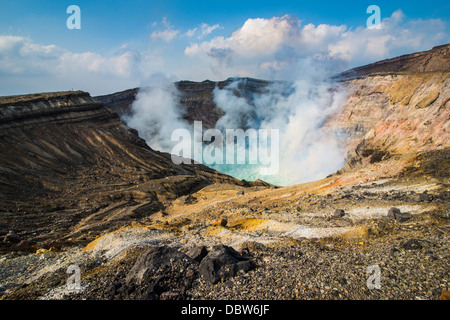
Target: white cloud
x=203, y=30
x=120, y=66
x=276, y=48
x=168, y=34
x=36, y=64
x=190, y=33
x=19, y=55
x=256, y=37
x=397, y=36
x=207, y=29
x=273, y=47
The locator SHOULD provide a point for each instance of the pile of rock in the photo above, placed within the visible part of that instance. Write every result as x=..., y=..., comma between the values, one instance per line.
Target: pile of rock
x=338, y=213
x=165, y=273
x=396, y=214
x=11, y=238
x=223, y=262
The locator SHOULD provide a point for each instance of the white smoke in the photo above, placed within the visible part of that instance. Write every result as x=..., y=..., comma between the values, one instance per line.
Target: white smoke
x=156, y=113
x=297, y=109
x=306, y=150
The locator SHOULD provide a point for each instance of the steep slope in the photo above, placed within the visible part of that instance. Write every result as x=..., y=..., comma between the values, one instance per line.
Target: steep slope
x=436, y=59
x=69, y=166
x=397, y=114
x=120, y=102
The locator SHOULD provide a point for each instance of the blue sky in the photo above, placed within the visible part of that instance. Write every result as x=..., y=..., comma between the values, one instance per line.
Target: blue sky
x=124, y=43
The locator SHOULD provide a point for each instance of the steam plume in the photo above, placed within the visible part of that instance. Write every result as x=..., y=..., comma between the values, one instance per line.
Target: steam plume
x=297, y=109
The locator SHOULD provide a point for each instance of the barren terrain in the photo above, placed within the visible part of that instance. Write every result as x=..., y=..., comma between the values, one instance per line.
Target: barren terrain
x=78, y=188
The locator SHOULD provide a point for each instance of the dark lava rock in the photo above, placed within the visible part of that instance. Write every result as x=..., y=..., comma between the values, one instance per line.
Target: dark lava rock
x=223, y=262
x=197, y=253
x=338, y=213
x=424, y=197
x=11, y=237
x=395, y=213
x=152, y=259
x=412, y=244
x=245, y=266
x=159, y=273
x=404, y=216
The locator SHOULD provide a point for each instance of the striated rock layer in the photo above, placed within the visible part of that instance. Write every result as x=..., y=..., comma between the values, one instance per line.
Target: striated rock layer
x=70, y=168
x=398, y=114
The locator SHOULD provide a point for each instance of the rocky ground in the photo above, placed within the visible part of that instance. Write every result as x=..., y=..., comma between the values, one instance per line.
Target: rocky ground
x=302, y=242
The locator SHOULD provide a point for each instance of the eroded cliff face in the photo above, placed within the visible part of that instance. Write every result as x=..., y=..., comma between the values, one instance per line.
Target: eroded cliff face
x=392, y=117
x=69, y=169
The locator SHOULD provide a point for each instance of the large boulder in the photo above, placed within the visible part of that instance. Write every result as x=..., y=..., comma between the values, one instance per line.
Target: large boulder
x=338, y=213
x=395, y=213
x=159, y=273
x=197, y=253
x=151, y=260
x=223, y=262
